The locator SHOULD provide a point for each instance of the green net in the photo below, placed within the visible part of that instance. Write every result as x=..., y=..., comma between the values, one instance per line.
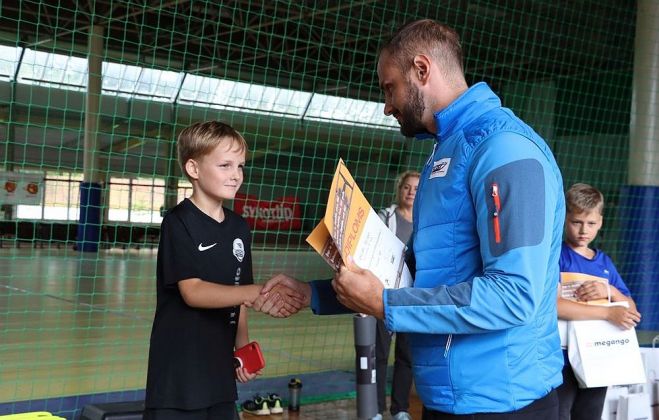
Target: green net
x=97, y=93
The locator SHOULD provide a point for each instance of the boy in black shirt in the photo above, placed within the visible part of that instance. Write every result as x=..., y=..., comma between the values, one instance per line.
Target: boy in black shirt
x=204, y=274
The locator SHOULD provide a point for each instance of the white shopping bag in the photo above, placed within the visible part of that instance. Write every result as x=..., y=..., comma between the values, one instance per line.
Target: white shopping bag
x=613, y=394
x=634, y=407
x=650, y=357
x=601, y=354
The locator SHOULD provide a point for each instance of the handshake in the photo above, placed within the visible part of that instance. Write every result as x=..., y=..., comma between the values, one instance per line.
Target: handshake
x=356, y=289
x=281, y=297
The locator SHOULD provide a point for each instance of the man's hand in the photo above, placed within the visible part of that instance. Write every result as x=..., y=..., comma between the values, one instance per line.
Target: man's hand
x=282, y=296
x=359, y=290
x=624, y=318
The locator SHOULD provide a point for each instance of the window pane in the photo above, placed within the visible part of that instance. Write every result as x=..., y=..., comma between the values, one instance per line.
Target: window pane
x=184, y=190
x=142, y=205
x=158, y=84
x=8, y=61
x=74, y=197
x=158, y=202
x=29, y=68
x=226, y=94
x=199, y=89
x=28, y=212
x=55, y=213
x=119, y=199
x=47, y=69
x=58, y=175
x=149, y=181
x=120, y=78
x=348, y=111
x=56, y=200
x=74, y=213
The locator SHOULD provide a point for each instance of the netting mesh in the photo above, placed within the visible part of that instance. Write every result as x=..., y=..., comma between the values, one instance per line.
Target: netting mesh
x=298, y=80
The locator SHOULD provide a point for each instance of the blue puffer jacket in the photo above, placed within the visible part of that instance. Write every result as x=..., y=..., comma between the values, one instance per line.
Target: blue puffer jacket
x=487, y=232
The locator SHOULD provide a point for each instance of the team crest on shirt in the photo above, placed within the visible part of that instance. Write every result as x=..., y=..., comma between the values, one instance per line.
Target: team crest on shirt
x=238, y=249
x=440, y=168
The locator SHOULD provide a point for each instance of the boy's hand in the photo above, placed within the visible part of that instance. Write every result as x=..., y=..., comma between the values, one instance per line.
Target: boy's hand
x=282, y=296
x=624, y=318
x=243, y=376
x=592, y=290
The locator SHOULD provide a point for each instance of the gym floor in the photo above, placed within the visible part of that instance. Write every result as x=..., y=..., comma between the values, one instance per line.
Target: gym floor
x=334, y=410
x=75, y=328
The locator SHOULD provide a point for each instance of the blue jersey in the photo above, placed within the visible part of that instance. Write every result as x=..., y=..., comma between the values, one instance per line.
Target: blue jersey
x=599, y=266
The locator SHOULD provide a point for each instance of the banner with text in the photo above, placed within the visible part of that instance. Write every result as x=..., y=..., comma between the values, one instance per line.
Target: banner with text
x=282, y=213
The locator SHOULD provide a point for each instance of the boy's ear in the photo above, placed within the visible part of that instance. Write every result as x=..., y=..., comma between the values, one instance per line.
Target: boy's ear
x=192, y=168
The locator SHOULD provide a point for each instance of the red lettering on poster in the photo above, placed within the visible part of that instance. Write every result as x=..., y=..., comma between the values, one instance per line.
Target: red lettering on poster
x=283, y=213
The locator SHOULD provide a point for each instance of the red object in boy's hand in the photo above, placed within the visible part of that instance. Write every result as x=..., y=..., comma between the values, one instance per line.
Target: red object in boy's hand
x=250, y=357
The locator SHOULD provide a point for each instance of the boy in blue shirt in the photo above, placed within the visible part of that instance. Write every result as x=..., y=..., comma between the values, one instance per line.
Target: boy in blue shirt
x=583, y=220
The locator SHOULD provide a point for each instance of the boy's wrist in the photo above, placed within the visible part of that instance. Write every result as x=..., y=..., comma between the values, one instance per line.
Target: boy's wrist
x=608, y=313
x=255, y=291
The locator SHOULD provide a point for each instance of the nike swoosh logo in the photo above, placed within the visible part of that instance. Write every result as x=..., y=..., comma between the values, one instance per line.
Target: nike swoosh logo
x=204, y=248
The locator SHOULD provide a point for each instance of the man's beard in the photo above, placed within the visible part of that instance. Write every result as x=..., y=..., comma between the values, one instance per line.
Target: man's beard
x=412, y=113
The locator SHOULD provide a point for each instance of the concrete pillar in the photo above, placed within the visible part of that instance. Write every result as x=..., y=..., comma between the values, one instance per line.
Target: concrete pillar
x=89, y=227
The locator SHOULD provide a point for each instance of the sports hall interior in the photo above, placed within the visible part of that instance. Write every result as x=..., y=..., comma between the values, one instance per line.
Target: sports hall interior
x=92, y=98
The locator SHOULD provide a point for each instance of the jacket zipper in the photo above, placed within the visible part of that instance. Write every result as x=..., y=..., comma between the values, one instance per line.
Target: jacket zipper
x=425, y=173
x=448, y=345
x=432, y=154
x=495, y=214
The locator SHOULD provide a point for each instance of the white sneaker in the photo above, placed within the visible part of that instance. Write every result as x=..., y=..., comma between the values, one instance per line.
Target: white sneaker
x=402, y=415
x=377, y=417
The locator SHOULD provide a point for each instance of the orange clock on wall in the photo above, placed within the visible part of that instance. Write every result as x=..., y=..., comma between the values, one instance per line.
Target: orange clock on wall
x=10, y=186
x=32, y=188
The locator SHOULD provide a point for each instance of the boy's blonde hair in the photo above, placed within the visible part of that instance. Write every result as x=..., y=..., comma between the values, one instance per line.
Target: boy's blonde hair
x=583, y=197
x=401, y=180
x=201, y=138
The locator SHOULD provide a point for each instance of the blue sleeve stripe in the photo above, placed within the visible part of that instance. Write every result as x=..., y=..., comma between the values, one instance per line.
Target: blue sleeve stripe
x=458, y=295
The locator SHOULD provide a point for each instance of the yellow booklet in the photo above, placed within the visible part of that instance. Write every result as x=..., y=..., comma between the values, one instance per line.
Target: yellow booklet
x=570, y=282
x=352, y=228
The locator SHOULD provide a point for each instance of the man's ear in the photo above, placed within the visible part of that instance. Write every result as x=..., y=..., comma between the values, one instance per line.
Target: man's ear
x=192, y=168
x=421, y=68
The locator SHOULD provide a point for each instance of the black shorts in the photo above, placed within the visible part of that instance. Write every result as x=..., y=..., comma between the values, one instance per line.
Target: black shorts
x=546, y=408
x=221, y=411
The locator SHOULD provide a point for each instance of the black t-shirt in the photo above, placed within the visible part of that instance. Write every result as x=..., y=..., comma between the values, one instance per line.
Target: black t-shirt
x=191, y=352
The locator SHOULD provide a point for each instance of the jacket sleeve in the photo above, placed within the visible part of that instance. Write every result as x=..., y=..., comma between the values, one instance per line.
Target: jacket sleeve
x=516, y=227
x=323, y=299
